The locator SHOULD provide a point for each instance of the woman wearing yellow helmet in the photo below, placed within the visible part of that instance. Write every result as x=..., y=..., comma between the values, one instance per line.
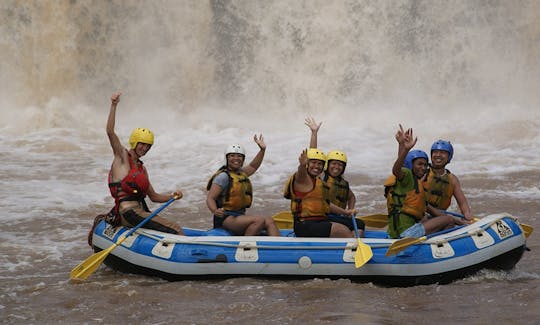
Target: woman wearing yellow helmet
x=128, y=179
x=339, y=190
x=310, y=201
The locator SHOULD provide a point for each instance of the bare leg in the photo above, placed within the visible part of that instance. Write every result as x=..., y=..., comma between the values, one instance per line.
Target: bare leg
x=271, y=227
x=244, y=225
x=340, y=231
x=438, y=223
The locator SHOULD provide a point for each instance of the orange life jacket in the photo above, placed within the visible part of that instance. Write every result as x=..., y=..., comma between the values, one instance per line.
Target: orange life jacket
x=411, y=203
x=313, y=205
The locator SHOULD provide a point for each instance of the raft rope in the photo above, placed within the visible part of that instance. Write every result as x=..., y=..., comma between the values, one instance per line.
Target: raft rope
x=167, y=241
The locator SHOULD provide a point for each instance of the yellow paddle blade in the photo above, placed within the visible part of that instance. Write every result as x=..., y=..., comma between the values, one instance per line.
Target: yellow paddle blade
x=527, y=229
x=363, y=254
x=284, y=220
x=402, y=244
x=90, y=265
x=375, y=220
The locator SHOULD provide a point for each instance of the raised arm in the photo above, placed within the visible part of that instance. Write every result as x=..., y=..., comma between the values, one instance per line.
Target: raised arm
x=314, y=127
x=302, y=181
x=116, y=145
x=406, y=141
x=258, y=159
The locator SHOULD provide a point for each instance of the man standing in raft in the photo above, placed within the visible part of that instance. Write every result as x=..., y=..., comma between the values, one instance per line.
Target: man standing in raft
x=128, y=179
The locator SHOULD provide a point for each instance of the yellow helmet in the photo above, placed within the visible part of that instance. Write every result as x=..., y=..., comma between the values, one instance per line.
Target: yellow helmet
x=314, y=153
x=141, y=135
x=337, y=155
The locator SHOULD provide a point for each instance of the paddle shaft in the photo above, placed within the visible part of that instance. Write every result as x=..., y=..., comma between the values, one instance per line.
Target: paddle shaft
x=153, y=214
x=453, y=214
x=355, y=226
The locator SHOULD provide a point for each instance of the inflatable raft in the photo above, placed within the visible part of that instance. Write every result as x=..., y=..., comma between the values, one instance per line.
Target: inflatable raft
x=493, y=242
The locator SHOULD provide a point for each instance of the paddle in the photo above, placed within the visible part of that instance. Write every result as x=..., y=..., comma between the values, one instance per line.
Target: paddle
x=284, y=220
x=375, y=220
x=363, y=251
x=381, y=220
x=527, y=229
x=90, y=265
x=401, y=244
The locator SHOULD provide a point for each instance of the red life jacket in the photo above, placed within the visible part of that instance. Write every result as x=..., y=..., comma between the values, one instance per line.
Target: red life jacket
x=133, y=187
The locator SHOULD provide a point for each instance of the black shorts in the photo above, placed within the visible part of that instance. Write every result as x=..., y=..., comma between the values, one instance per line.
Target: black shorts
x=218, y=221
x=312, y=228
x=133, y=218
x=347, y=221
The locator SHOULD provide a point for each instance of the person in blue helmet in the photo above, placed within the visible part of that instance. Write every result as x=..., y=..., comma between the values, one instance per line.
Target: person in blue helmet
x=440, y=184
x=404, y=191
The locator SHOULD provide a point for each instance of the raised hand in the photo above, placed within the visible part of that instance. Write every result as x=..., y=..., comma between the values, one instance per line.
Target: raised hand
x=259, y=141
x=115, y=98
x=303, y=159
x=313, y=126
x=406, y=138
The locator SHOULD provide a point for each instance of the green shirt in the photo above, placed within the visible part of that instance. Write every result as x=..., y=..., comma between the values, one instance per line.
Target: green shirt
x=400, y=223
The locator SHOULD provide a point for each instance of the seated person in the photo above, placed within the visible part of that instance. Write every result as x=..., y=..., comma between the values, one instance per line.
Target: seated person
x=310, y=203
x=405, y=194
x=230, y=194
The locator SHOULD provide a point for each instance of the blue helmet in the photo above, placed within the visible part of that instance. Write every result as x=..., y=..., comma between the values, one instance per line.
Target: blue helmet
x=444, y=146
x=412, y=155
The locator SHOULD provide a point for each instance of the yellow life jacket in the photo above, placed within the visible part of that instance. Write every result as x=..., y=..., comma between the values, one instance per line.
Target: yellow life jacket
x=239, y=194
x=411, y=203
x=314, y=205
x=338, y=190
x=439, y=189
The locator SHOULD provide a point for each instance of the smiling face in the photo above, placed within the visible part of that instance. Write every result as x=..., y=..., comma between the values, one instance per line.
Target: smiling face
x=335, y=168
x=419, y=167
x=439, y=158
x=142, y=148
x=315, y=167
x=235, y=161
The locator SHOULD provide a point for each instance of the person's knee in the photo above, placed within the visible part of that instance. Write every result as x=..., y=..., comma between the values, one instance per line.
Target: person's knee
x=269, y=221
x=339, y=230
x=257, y=222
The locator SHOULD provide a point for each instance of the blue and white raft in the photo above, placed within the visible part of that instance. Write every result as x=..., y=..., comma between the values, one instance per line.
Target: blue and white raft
x=493, y=242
